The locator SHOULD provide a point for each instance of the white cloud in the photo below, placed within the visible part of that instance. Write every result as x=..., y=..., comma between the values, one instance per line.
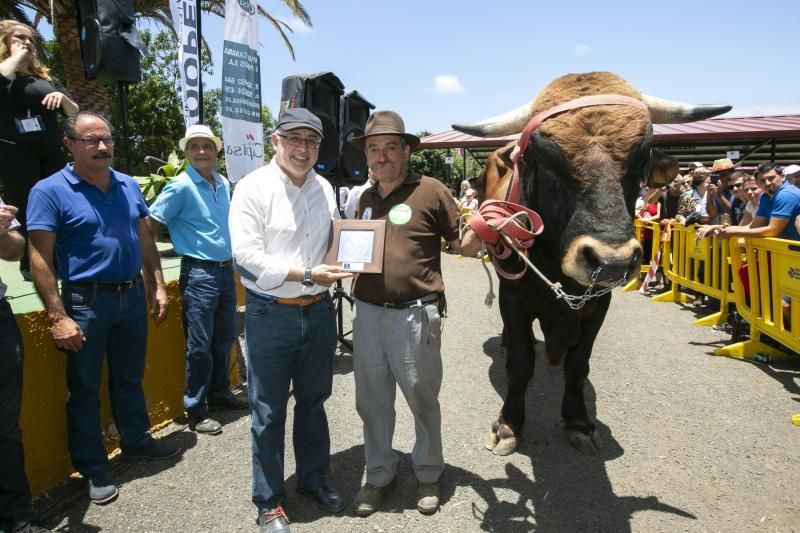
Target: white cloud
x=297, y=25
x=447, y=84
x=581, y=49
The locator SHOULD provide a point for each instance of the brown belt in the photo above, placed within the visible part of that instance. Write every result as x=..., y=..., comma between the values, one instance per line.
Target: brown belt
x=302, y=301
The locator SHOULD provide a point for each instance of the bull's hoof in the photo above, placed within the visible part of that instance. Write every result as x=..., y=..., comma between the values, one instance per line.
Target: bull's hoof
x=501, y=440
x=506, y=446
x=588, y=444
x=491, y=441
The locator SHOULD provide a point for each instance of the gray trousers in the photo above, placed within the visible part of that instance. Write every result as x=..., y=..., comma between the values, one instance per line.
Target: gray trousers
x=403, y=347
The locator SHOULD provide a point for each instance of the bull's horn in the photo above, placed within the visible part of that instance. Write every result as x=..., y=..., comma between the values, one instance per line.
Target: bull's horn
x=509, y=123
x=669, y=112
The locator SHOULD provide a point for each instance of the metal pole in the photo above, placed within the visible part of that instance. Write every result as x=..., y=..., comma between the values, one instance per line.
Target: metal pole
x=123, y=118
x=199, y=62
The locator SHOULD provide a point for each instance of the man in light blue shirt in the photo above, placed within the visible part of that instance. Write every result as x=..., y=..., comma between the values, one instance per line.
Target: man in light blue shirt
x=195, y=207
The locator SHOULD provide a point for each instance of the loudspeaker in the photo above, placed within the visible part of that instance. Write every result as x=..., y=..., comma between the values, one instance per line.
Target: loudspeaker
x=321, y=94
x=110, y=45
x=353, y=163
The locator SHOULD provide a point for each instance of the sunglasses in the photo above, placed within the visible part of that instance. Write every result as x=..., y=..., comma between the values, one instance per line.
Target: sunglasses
x=733, y=186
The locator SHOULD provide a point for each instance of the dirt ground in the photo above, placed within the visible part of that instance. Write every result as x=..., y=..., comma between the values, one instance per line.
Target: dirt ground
x=692, y=442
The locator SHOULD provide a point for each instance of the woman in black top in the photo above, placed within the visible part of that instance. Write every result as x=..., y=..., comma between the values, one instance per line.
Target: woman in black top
x=30, y=100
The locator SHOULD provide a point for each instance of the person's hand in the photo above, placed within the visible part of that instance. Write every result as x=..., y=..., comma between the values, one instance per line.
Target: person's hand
x=18, y=50
x=67, y=335
x=328, y=274
x=713, y=190
x=7, y=215
x=157, y=301
x=53, y=100
x=703, y=231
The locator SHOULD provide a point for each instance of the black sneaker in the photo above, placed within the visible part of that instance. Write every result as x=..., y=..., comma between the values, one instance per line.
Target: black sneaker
x=153, y=450
x=101, y=489
x=227, y=400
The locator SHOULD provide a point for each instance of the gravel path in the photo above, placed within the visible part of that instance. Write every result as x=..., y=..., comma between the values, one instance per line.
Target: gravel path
x=692, y=442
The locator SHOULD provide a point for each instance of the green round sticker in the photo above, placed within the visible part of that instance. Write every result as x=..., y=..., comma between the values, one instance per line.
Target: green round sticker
x=400, y=214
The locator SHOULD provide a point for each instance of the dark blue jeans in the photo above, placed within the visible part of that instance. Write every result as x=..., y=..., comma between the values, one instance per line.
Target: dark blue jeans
x=209, y=322
x=15, y=495
x=288, y=344
x=115, y=326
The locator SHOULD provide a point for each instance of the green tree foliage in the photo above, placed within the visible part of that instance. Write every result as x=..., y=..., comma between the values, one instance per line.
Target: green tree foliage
x=155, y=119
x=432, y=163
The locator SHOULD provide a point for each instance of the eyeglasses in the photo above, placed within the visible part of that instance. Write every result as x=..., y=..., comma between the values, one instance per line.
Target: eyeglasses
x=733, y=186
x=94, y=142
x=297, y=141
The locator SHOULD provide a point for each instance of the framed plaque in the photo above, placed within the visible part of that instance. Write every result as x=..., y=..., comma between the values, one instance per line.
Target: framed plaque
x=357, y=245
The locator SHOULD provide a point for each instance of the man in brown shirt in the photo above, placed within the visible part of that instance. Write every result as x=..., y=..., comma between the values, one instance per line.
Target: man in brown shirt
x=397, y=321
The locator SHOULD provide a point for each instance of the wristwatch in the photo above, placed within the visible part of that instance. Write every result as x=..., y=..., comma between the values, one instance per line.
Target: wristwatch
x=307, y=281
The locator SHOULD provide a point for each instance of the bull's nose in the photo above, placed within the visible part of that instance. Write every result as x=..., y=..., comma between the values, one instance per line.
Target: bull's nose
x=603, y=268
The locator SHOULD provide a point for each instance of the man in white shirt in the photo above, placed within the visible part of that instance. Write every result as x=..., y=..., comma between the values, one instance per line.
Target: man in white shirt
x=280, y=221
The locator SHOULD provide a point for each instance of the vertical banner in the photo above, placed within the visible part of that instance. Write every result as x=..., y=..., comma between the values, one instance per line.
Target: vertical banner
x=184, y=18
x=241, y=91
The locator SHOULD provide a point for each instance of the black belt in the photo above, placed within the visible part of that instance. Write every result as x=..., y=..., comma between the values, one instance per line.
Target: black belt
x=226, y=263
x=412, y=303
x=105, y=287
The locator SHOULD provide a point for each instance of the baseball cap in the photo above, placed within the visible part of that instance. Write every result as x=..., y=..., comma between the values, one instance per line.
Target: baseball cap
x=298, y=117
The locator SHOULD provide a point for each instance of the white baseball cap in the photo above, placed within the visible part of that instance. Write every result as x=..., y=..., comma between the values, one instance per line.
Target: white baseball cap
x=791, y=169
x=197, y=131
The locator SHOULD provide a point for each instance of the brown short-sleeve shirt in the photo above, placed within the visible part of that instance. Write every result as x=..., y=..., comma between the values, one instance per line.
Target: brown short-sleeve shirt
x=418, y=214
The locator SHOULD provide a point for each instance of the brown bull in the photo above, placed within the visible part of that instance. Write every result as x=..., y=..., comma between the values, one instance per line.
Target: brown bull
x=581, y=172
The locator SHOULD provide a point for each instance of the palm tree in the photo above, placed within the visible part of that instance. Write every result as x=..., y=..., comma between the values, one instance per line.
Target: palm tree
x=64, y=20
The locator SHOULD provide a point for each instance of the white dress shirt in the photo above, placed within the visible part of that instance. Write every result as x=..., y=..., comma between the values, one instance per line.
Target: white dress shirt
x=354, y=197
x=276, y=225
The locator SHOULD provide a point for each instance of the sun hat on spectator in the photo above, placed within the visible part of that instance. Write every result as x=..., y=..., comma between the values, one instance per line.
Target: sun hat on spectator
x=197, y=131
x=721, y=165
x=696, y=164
x=385, y=123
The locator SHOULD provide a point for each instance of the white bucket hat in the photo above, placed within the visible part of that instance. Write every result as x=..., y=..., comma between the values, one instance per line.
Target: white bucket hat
x=200, y=130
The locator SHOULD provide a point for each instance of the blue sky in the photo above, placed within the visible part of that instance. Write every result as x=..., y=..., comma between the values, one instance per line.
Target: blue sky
x=443, y=61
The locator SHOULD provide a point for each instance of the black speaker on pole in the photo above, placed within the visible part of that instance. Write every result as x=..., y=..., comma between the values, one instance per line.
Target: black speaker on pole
x=353, y=163
x=110, y=45
x=321, y=94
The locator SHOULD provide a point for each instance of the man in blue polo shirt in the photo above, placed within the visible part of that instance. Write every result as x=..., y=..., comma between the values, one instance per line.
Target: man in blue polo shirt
x=87, y=226
x=195, y=206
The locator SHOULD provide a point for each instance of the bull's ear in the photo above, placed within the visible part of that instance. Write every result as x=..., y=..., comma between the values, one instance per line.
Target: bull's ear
x=663, y=169
x=505, y=153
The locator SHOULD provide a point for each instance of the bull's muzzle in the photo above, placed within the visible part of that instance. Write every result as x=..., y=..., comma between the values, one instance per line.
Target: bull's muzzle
x=588, y=260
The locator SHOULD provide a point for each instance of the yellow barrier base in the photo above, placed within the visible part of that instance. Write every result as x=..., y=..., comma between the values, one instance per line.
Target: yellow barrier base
x=673, y=296
x=712, y=320
x=748, y=350
x=633, y=285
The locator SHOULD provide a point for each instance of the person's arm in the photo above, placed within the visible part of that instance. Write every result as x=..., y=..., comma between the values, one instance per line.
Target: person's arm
x=8, y=67
x=59, y=97
x=66, y=333
x=12, y=243
x=711, y=205
x=152, y=275
x=772, y=228
x=468, y=245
